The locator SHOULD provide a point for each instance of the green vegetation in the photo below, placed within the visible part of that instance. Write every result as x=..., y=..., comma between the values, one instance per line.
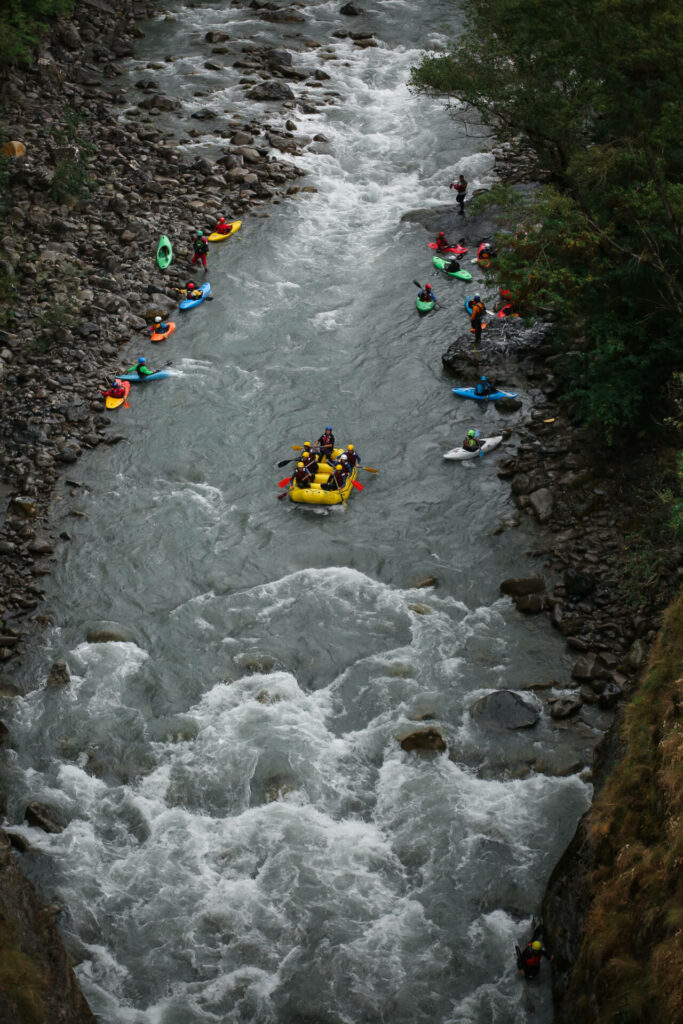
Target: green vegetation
x=633, y=944
x=594, y=90
x=21, y=982
x=23, y=23
x=72, y=181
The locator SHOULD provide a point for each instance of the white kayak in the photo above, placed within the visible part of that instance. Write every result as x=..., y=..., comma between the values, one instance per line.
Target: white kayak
x=488, y=444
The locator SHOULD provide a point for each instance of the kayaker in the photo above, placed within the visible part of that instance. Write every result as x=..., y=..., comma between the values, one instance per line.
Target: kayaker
x=427, y=295
x=326, y=444
x=190, y=290
x=222, y=228
x=484, y=387
x=335, y=481
x=471, y=444
x=529, y=959
x=441, y=242
x=454, y=265
x=116, y=390
x=158, y=327
x=352, y=456
x=201, y=247
x=486, y=251
x=300, y=477
x=460, y=187
x=478, y=310
x=141, y=368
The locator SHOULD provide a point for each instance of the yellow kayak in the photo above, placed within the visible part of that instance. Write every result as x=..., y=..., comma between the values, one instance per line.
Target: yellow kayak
x=234, y=228
x=315, y=495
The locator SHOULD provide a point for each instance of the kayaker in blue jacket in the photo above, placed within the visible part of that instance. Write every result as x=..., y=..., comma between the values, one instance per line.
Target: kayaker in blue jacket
x=427, y=295
x=484, y=387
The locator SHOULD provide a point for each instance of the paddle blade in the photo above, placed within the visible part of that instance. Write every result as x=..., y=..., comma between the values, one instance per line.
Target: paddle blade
x=126, y=405
x=417, y=283
x=297, y=447
x=354, y=483
x=283, y=495
x=284, y=463
x=369, y=469
x=283, y=483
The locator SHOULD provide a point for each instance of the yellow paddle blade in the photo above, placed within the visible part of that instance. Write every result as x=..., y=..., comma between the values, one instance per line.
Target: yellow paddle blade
x=369, y=469
x=297, y=447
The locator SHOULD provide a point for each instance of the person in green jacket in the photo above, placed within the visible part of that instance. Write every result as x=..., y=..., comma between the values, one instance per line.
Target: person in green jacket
x=141, y=368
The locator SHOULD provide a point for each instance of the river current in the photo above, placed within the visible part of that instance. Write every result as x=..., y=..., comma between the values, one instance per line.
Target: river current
x=246, y=840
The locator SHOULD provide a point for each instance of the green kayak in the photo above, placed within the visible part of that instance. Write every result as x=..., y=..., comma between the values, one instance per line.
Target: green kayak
x=441, y=264
x=164, y=252
x=424, y=307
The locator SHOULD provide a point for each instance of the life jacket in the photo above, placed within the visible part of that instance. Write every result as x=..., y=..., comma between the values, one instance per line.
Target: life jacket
x=116, y=391
x=478, y=310
x=301, y=476
x=427, y=295
x=222, y=228
x=140, y=368
x=532, y=957
x=327, y=441
x=460, y=186
x=352, y=459
x=469, y=444
x=200, y=245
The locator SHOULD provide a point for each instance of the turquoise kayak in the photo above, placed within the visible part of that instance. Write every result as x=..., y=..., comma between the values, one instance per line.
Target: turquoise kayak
x=493, y=397
x=189, y=303
x=164, y=252
x=136, y=378
x=441, y=264
x=424, y=307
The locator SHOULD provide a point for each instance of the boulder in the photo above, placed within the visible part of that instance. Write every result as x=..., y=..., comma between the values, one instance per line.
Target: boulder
x=563, y=707
x=428, y=581
x=240, y=138
x=508, y=404
x=25, y=507
x=278, y=58
x=584, y=667
x=636, y=654
x=609, y=696
x=216, y=37
x=41, y=816
x=5, y=739
x=542, y=503
x=285, y=14
x=59, y=674
x=40, y=547
x=505, y=709
x=105, y=636
x=350, y=10
x=519, y=587
x=424, y=740
x=265, y=91
x=530, y=604
x=577, y=584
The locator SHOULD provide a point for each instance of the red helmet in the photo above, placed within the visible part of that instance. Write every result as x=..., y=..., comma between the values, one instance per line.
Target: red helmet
x=427, y=284
x=441, y=235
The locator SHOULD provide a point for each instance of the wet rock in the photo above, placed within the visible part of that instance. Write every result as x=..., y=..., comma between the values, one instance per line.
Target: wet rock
x=265, y=91
x=242, y=139
x=25, y=506
x=420, y=609
x=563, y=707
x=508, y=404
x=59, y=674
x=18, y=842
x=285, y=14
x=428, y=581
x=40, y=547
x=215, y=36
x=279, y=58
x=424, y=740
x=577, y=584
x=609, y=696
x=5, y=738
x=350, y=10
x=542, y=503
x=41, y=816
x=530, y=604
x=584, y=667
x=505, y=709
x=105, y=636
x=519, y=587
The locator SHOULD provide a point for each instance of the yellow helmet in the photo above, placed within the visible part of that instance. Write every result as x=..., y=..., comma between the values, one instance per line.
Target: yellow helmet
x=307, y=444
x=349, y=447
x=299, y=465
x=338, y=466
x=306, y=455
x=536, y=945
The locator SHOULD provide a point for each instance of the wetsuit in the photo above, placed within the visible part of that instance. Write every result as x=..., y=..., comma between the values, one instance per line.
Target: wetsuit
x=529, y=960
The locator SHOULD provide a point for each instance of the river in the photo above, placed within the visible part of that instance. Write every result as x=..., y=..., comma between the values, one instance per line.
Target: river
x=246, y=840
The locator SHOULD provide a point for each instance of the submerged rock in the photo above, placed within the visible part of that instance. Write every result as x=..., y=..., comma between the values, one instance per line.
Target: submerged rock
x=105, y=636
x=505, y=709
x=41, y=816
x=424, y=740
x=521, y=586
x=59, y=674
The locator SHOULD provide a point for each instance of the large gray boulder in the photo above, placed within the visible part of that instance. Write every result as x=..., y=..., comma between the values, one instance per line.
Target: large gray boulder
x=505, y=709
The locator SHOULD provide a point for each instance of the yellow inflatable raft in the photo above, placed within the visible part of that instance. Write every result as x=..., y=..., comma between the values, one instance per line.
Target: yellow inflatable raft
x=315, y=495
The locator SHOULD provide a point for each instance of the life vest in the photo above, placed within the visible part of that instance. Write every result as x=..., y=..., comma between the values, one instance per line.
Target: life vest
x=200, y=245
x=327, y=441
x=301, y=476
x=478, y=310
x=460, y=186
x=532, y=957
x=352, y=459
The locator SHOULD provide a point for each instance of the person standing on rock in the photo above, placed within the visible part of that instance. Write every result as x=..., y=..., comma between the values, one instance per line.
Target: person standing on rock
x=201, y=247
x=529, y=959
x=478, y=310
x=460, y=187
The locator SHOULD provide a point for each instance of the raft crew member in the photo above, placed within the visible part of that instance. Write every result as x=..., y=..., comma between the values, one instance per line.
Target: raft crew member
x=346, y=469
x=335, y=481
x=441, y=242
x=158, y=327
x=311, y=463
x=116, y=390
x=471, y=444
x=352, y=456
x=190, y=290
x=201, y=247
x=326, y=444
x=222, y=228
x=478, y=310
x=141, y=368
x=484, y=387
x=460, y=187
x=529, y=960
x=427, y=295
x=300, y=477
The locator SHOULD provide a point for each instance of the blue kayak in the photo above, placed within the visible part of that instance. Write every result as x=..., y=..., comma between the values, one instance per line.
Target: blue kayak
x=136, y=378
x=189, y=303
x=493, y=397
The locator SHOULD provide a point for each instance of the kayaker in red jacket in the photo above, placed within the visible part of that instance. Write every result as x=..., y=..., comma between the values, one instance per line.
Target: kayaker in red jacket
x=222, y=228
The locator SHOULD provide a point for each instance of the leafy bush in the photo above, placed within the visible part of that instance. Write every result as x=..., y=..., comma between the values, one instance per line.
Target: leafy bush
x=23, y=23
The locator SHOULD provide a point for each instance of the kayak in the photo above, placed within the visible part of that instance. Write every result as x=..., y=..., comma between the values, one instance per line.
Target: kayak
x=165, y=334
x=189, y=303
x=441, y=264
x=457, y=249
x=493, y=397
x=460, y=454
x=164, y=252
x=315, y=495
x=502, y=314
x=135, y=378
x=424, y=307
x=234, y=228
x=114, y=403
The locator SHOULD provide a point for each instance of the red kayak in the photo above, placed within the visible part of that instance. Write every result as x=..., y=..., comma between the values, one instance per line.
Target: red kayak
x=457, y=249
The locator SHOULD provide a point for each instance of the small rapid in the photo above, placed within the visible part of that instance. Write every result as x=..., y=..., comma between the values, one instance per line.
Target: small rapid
x=246, y=840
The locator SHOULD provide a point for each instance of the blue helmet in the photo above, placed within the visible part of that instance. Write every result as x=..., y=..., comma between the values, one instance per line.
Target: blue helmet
x=142, y=359
x=328, y=428
x=482, y=378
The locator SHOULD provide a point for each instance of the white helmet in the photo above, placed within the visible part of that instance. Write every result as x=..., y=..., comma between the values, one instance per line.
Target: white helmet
x=157, y=319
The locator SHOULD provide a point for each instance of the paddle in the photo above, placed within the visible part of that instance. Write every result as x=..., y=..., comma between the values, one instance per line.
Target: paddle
x=369, y=469
x=439, y=305
x=283, y=483
x=285, y=462
x=354, y=483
